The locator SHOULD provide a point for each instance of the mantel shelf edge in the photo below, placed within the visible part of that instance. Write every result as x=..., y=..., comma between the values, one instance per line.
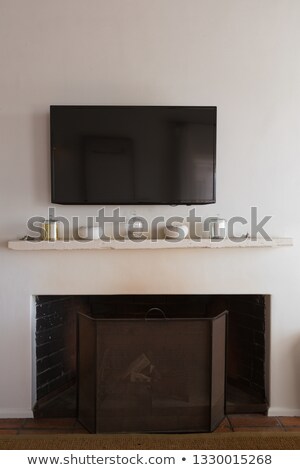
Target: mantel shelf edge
x=22, y=245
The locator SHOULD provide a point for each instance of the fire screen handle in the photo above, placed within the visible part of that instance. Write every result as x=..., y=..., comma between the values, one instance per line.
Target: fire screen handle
x=155, y=309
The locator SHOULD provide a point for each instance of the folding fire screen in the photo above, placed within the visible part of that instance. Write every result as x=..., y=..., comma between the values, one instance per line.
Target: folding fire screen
x=138, y=374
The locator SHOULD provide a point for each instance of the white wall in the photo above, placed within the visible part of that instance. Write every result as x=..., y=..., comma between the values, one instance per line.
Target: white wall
x=240, y=55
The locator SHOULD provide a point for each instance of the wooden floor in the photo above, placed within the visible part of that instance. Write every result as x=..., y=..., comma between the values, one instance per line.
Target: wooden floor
x=232, y=423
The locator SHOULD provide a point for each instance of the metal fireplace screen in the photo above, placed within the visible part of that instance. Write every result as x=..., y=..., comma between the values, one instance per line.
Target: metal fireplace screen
x=155, y=375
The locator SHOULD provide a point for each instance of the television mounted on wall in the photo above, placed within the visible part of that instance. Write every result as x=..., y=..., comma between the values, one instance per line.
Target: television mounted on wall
x=133, y=154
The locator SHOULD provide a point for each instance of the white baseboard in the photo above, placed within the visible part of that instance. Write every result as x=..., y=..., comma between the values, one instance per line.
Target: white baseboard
x=273, y=411
x=15, y=413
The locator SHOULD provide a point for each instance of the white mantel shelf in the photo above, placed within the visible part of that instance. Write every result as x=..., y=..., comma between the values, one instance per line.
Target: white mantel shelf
x=22, y=245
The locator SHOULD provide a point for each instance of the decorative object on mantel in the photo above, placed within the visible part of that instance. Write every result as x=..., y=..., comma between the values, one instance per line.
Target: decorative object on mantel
x=136, y=228
x=217, y=228
x=50, y=230
x=90, y=233
x=176, y=231
x=128, y=244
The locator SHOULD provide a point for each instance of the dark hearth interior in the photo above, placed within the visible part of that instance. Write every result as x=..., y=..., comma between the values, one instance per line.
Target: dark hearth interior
x=59, y=356
x=56, y=354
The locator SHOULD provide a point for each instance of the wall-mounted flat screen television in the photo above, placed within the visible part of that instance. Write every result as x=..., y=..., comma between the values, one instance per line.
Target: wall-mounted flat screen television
x=133, y=154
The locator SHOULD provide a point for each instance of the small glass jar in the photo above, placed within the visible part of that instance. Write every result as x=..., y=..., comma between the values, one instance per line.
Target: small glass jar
x=217, y=229
x=50, y=230
x=135, y=228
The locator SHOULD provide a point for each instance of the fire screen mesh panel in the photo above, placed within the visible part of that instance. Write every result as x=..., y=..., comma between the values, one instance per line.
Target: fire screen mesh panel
x=151, y=375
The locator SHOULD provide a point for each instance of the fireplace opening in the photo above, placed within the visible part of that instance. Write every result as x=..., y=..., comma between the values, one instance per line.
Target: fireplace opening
x=246, y=347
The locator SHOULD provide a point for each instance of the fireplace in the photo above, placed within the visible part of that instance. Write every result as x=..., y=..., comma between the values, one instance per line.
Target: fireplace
x=246, y=358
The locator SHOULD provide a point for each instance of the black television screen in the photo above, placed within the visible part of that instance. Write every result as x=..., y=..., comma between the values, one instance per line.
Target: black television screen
x=133, y=154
